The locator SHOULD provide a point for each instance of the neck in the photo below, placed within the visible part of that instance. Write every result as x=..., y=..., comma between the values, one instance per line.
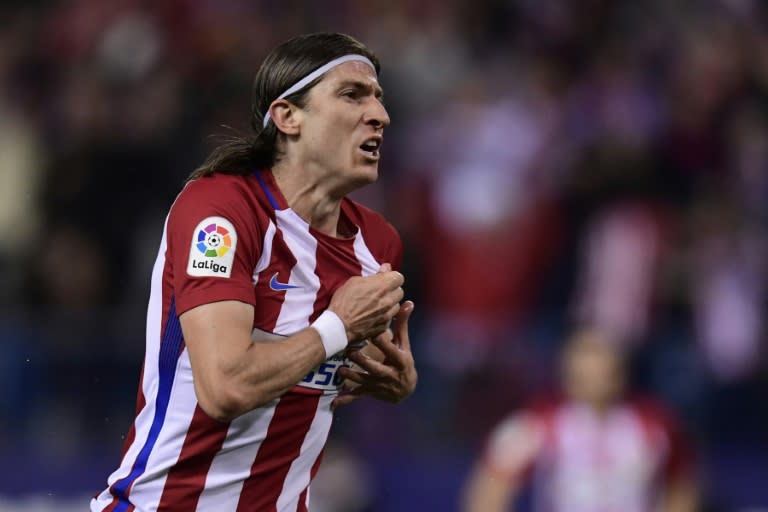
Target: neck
x=313, y=199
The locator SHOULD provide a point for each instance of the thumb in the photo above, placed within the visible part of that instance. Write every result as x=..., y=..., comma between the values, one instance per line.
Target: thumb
x=401, y=325
x=386, y=267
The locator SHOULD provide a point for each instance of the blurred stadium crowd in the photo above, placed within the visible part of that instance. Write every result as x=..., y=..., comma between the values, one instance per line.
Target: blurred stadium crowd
x=550, y=163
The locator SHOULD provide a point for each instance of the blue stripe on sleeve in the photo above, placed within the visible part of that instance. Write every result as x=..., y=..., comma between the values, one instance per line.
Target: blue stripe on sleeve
x=170, y=348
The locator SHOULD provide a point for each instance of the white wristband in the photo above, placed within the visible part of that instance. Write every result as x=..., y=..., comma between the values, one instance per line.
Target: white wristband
x=332, y=332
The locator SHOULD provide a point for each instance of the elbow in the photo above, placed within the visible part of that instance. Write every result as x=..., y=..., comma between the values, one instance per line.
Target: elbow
x=226, y=401
x=219, y=409
x=221, y=402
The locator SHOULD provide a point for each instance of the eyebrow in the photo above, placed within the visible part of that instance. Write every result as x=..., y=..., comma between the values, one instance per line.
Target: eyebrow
x=357, y=84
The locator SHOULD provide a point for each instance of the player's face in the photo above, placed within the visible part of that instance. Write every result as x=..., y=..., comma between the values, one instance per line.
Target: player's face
x=343, y=124
x=593, y=371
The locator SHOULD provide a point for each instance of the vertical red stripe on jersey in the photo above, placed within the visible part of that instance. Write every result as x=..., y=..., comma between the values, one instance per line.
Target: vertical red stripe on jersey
x=186, y=479
x=294, y=414
x=303, y=498
x=334, y=264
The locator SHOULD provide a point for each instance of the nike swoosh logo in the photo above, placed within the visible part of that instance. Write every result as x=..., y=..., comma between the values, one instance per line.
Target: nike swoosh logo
x=278, y=286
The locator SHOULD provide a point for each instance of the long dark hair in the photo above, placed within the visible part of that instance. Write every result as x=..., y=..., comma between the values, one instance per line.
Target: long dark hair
x=283, y=67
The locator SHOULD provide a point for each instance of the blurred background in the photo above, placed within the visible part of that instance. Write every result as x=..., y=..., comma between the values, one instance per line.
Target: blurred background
x=550, y=163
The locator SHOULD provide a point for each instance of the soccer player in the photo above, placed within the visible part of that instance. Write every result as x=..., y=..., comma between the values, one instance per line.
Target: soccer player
x=267, y=283
x=594, y=450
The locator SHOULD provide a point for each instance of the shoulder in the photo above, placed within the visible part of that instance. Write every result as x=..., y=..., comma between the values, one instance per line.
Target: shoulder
x=380, y=236
x=221, y=202
x=231, y=196
x=660, y=424
x=652, y=412
x=667, y=434
x=528, y=424
x=370, y=221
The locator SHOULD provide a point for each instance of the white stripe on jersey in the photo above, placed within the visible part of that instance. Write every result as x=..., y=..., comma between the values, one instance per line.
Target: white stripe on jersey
x=266, y=252
x=234, y=461
x=368, y=263
x=298, y=475
x=298, y=303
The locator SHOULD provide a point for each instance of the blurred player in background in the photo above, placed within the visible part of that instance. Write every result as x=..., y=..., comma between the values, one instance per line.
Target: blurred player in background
x=593, y=450
x=267, y=282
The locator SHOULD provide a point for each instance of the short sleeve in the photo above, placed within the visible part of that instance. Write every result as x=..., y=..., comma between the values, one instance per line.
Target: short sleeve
x=213, y=242
x=395, y=249
x=513, y=446
x=679, y=461
x=677, y=454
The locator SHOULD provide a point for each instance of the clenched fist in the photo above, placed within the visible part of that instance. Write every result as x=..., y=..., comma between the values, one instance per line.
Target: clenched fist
x=368, y=304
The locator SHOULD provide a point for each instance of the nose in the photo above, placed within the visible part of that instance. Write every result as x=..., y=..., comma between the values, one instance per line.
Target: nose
x=376, y=114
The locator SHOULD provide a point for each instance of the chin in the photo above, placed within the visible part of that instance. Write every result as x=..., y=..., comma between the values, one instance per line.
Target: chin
x=366, y=175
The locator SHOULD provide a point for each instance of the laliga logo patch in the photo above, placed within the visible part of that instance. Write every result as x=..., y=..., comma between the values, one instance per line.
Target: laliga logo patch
x=212, y=250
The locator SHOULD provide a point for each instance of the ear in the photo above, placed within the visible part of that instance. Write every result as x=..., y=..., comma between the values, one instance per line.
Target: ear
x=286, y=116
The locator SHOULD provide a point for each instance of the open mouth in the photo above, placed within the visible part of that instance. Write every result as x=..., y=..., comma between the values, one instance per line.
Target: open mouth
x=371, y=146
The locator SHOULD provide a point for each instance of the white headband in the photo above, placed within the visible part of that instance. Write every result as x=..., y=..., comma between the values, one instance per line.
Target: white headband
x=316, y=73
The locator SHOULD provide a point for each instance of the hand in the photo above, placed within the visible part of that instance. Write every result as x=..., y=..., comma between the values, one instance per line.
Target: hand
x=367, y=305
x=390, y=380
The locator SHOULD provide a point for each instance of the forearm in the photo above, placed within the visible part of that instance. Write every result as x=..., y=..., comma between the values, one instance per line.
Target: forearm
x=487, y=492
x=680, y=496
x=268, y=369
x=263, y=371
x=233, y=374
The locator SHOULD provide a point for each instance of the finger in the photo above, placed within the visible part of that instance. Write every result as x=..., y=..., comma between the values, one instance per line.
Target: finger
x=388, y=346
x=353, y=375
x=347, y=398
x=393, y=297
x=375, y=368
x=386, y=267
x=390, y=314
x=401, y=325
x=397, y=294
x=394, y=278
x=387, y=336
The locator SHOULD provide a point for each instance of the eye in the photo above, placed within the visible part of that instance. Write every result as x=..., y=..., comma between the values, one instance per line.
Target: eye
x=351, y=94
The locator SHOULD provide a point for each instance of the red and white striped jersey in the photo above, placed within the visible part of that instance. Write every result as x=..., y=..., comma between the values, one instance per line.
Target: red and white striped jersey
x=580, y=461
x=235, y=238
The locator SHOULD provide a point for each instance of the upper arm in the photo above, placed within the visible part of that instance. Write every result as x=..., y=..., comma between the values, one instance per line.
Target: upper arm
x=487, y=492
x=217, y=335
x=213, y=244
x=680, y=490
x=514, y=445
x=509, y=453
x=680, y=495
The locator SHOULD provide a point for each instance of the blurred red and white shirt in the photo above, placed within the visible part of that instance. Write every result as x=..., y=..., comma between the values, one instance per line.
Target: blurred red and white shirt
x=579, y=461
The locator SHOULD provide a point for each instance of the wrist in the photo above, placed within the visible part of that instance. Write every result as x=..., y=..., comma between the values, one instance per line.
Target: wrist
x=332, y=331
